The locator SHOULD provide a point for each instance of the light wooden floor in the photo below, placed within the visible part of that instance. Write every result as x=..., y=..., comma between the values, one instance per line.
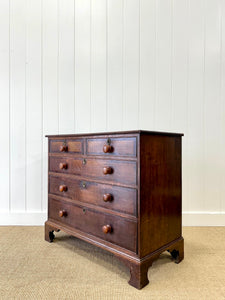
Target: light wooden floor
x=31, y=268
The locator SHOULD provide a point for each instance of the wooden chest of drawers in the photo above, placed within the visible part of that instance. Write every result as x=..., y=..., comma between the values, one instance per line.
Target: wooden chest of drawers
x=119, y=191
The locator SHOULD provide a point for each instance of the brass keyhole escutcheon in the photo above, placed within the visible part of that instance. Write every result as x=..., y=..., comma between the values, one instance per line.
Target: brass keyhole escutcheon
x=108, y=142
x=84, y=210
x=84, y=161
x=84, y=185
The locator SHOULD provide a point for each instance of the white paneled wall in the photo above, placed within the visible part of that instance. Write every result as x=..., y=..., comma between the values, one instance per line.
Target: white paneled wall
x=95, y=65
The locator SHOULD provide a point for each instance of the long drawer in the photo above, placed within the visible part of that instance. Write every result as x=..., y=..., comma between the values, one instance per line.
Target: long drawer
x=123, y=172
x=111, y=197
x=111, y=228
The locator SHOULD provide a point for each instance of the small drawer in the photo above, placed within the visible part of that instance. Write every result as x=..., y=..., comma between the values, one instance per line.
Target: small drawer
x=114, y=229
x=125, y=146
x=66, y=146
x=111, y=197
x=123, y=172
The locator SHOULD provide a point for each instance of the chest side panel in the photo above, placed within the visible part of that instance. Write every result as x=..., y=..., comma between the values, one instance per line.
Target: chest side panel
x=160, y=191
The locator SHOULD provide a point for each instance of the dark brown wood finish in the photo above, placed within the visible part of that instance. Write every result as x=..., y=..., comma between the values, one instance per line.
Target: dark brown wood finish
x=119, y=191
x=123, y=172
x=110, y=134
x=160, y=192
x=112, y=197
x=66, y=145
x=112, y=146
x=92, y=222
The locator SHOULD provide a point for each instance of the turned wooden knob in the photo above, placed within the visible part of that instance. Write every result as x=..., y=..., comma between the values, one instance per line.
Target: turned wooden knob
x=62, y=213
x=63, y=188
x=107, y=170
x=63, y=148
x=107, y=197
x=63, y=166
x=107, y=148
x=107, y=229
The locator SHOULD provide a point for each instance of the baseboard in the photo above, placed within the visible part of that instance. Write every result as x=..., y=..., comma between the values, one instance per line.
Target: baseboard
x=194, y=218
x=38, y=218
x=23, y=218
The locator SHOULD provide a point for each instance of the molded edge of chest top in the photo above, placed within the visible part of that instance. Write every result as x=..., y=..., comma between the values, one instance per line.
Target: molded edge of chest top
x=132, y=132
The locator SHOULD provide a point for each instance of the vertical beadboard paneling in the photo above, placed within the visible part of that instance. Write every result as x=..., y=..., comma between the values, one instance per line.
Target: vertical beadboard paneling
x=18, y=104
x=222, y=103
x=50, y=66
x=131, y=63
x=196, y=85
x=83, y=65
x=66, y=66
x=33, y=106
x=4, y=104
x=179, y=64
x=147, y=63
x=115, y=65
x=179, y=109
x=98, y=65
x=163, y=61
x=50, y=81
x=212, y=116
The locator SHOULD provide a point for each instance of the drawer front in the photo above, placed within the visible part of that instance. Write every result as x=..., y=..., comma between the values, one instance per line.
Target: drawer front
x=112, y=146
x=123, y=232
x=123, y=172
x=111, y=197
x=66, y=146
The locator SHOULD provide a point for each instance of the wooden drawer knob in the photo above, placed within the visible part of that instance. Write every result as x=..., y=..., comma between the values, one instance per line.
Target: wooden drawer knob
x=107, y=148
x=107, y=229
x=62, y=213
x=63, y=166
x=63, y=188
x=63, y=148
x=107, y=197
x=107, y=170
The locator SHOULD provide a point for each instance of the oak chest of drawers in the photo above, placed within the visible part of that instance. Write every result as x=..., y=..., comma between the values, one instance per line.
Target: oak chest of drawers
x=119, y=191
